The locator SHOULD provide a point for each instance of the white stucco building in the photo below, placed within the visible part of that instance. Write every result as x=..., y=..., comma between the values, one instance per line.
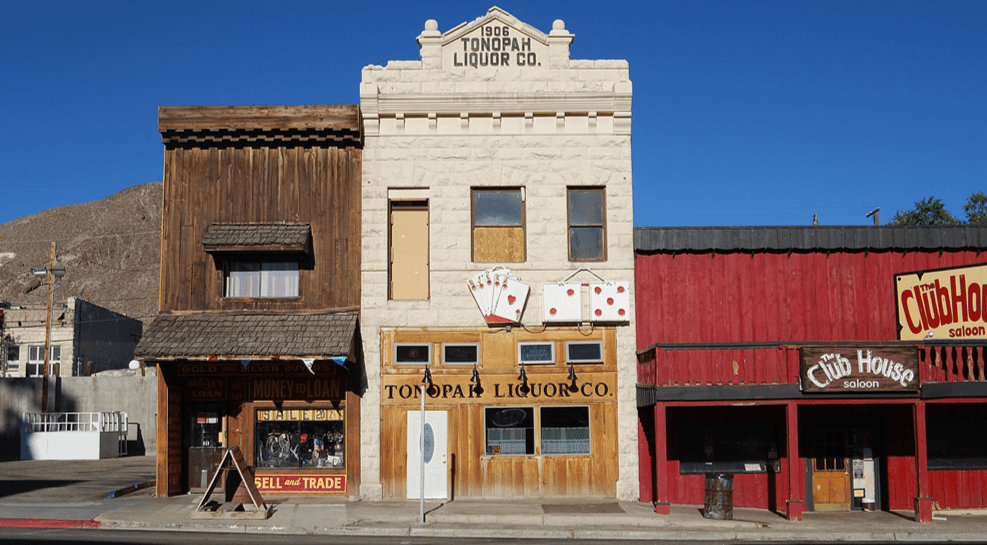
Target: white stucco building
x=497, y=152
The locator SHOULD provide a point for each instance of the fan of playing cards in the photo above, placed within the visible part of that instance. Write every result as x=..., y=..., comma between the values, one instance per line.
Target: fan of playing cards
x=500, y=295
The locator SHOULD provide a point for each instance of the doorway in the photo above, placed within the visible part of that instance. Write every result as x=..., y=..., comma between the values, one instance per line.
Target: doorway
x=436, y=455
x=207, y=444
x=830, y=470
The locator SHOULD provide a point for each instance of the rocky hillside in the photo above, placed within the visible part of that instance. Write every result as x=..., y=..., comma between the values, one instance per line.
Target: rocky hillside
x=111, y=250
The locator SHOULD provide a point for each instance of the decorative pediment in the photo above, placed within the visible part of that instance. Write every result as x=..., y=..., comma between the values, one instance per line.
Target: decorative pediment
x=495, y=40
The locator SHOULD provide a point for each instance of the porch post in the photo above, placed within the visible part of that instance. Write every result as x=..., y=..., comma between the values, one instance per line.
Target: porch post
x=923, y=503
x=795, y=504
x=645, y=463
x=663, y=504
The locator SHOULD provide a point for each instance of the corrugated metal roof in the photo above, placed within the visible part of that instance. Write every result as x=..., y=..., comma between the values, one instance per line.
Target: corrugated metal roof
x=248, y=335
x=809, y=238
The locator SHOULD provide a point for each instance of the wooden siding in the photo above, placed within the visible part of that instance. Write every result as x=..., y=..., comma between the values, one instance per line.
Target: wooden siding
x=775, y=297
x=315, y=185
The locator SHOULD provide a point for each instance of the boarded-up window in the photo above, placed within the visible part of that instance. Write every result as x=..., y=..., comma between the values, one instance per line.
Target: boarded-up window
x=587, y=228
x=498, y=226
x=408, y=269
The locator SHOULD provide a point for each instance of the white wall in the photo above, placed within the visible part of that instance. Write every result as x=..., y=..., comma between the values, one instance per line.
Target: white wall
x=432, y=125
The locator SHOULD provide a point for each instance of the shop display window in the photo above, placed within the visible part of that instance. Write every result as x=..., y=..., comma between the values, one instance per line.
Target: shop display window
x=510, y=431
x=565, y=430
x=956, y=437
x=300, y=439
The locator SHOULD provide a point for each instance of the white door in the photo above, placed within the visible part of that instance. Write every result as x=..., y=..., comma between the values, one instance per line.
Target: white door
x=436, y=454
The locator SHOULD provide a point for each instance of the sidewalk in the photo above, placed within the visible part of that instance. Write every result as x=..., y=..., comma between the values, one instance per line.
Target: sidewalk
x=58, y=493
x=586, y=519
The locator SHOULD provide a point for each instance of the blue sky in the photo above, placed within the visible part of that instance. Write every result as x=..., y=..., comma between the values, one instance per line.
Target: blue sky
x=745, y=112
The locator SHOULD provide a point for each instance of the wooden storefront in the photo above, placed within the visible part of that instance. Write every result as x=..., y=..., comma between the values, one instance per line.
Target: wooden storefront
x=825, y=368
x=550, y=435
x=299, y=430
x=256, y=340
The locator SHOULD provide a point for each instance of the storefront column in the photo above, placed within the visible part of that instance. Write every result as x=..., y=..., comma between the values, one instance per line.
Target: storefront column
x=663, y=502
x=795, y=504
x=645, y=464
x=923, y=503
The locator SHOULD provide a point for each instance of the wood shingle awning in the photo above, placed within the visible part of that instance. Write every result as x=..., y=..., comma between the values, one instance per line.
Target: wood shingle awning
x=258, y=237
x=239, y=335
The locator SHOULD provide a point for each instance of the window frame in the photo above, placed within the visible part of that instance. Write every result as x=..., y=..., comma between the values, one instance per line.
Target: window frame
x=476, y=227
x=530, y=437
x=602, y=225
x=338, y=424
x=589, y=430
x=569, y=359
x=228, y=271
x=398, y=345
x=446, y=363
x=522, y=361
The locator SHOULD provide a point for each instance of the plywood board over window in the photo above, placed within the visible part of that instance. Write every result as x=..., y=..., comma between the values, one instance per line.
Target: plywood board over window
x=409, y=266
x=498, y=225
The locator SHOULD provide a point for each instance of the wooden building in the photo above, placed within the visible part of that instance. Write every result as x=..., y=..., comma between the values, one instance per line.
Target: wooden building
x=825, y=368
x=257, y=340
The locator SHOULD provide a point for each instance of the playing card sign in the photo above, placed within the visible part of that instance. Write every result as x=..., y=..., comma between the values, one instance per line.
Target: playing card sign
x=609, y=301
x=562, y=302
x=500, y=296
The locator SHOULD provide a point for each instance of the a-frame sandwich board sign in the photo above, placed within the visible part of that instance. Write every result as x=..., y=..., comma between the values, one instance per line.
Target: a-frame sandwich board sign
x=258, y=508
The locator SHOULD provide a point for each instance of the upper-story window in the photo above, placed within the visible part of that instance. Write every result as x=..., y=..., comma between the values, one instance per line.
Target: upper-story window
x=262, y=279
x=587, y=227
x=498, y=226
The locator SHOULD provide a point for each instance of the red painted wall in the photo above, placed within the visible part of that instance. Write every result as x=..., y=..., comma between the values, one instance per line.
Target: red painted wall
x=774, y=297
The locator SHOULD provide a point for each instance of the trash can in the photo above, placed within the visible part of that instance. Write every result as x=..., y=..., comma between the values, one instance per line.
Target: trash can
x=719, y=496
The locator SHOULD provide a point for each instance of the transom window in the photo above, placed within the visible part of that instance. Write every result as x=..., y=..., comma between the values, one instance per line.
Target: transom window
x=412, y=354
x=584, y=352
x=587, y=228
x=461, y=354
x=536, y=353
x=262, y=279
x=498, y=225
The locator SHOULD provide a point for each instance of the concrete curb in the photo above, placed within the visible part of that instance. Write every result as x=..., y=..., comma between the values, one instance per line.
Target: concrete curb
x=49, y=523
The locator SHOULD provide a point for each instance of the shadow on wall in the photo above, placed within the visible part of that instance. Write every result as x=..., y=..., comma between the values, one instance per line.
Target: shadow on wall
x=23, y=395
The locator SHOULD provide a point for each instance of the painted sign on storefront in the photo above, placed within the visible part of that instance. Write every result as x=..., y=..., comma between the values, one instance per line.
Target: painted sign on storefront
x=490, y=390
x=858, y=370
x=294, y=483
x=942, y=304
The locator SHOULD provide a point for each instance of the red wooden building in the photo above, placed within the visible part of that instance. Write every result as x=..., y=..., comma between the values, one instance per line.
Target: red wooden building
x=825, y=368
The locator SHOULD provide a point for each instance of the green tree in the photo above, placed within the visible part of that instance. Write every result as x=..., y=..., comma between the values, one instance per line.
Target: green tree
x=976, y=209
x=928, y=211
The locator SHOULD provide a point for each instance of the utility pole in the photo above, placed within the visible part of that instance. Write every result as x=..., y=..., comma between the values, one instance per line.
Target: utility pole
x=49, y=273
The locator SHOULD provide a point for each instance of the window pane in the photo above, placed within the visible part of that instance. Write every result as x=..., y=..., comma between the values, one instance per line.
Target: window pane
x=565, y=430
x=502, y=208
x=460, y=353
x=510, y=430
x=300, y=444
x=412, y=353
x=585, y=352
x=586, y=243
x=536, y=353
x=244, y=280
x=56, y=353
x=279, y=279
x=586, y=207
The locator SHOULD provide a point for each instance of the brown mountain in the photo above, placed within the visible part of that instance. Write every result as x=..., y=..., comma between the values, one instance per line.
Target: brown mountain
x=111, y=250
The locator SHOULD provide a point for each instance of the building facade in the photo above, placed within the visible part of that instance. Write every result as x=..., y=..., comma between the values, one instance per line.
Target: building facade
x=85, y=339
x=825, y=368
x=256, y=341
x=498, y=260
